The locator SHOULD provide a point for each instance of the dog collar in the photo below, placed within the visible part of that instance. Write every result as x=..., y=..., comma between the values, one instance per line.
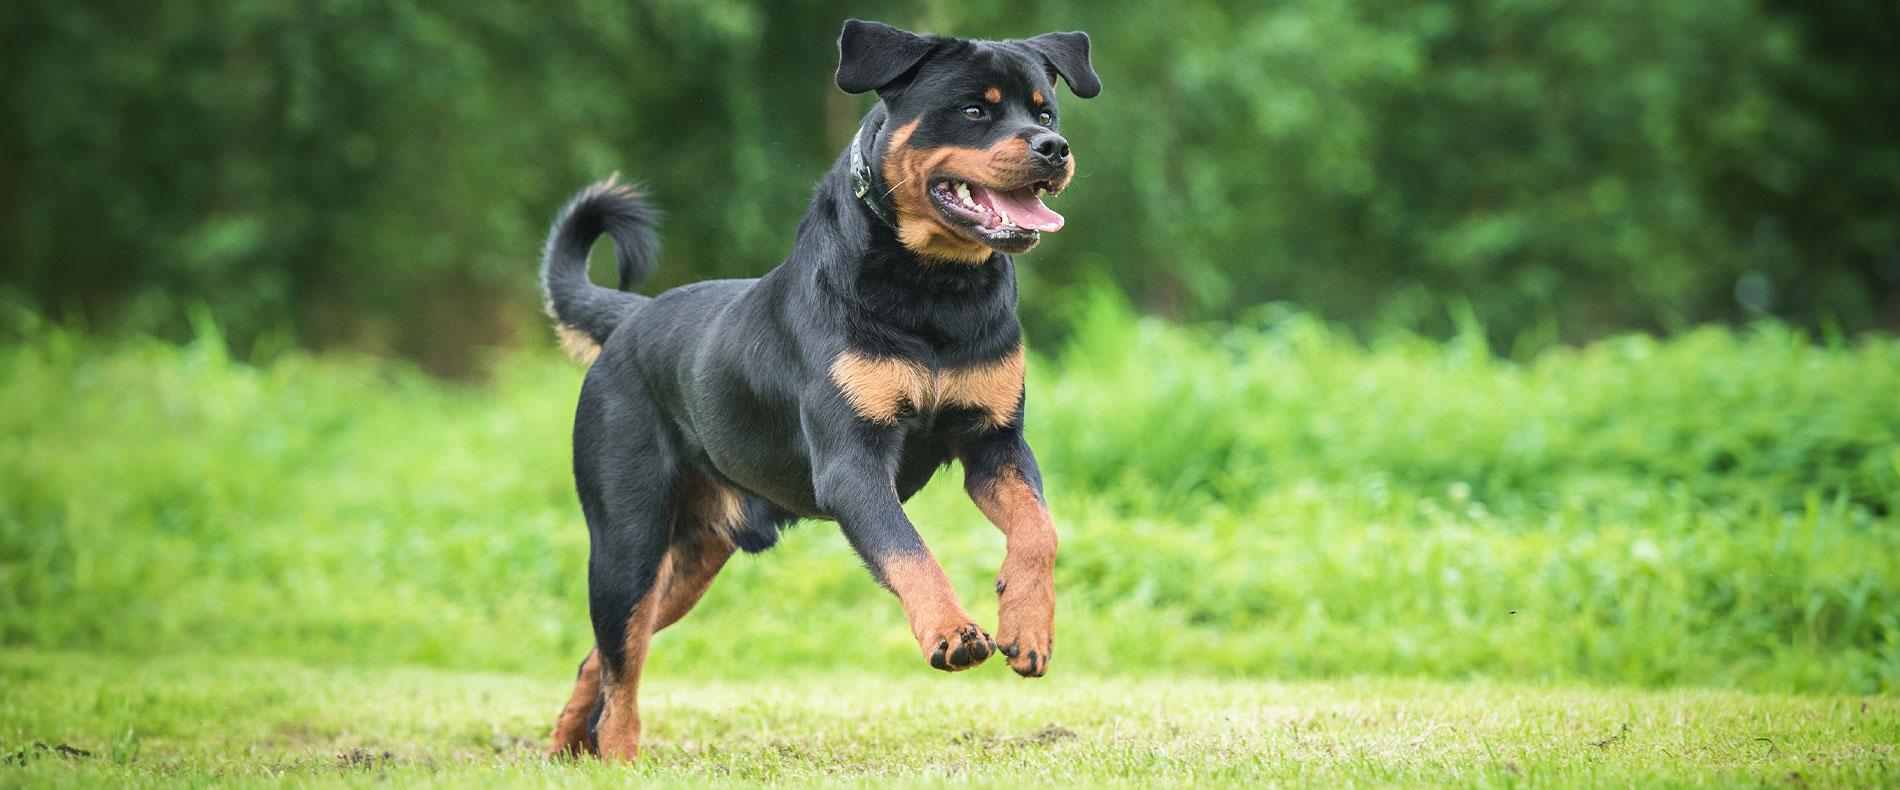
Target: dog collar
x=862, y=179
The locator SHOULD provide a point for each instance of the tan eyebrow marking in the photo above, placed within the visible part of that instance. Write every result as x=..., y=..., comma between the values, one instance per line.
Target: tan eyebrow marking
x=995, y=95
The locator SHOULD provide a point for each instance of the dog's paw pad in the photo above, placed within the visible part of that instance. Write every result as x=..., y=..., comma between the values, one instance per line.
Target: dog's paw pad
x=966, y=646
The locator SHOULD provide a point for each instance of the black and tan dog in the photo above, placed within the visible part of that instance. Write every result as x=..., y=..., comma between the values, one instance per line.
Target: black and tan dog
x=885, y=346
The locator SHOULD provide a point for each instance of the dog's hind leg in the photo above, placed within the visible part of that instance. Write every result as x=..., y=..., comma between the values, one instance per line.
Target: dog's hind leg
x=571, y=732
x=704, y=514
x=699, y=549
x=638, y=602
x=625, y=472
x=693, y=556
x=694, y=564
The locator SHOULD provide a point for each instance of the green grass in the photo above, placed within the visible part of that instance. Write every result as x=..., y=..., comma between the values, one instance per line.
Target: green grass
x=267, y=722
x=1716, y=509
x=1249, y=515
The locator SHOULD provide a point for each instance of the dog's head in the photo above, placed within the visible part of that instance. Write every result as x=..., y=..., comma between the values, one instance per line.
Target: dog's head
x=969, y=145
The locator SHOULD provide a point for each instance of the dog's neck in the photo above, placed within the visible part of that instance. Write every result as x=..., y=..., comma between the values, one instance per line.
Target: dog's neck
x=865, y=182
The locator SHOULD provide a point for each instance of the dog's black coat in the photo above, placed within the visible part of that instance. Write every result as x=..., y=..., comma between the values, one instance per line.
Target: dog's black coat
x=730, y=379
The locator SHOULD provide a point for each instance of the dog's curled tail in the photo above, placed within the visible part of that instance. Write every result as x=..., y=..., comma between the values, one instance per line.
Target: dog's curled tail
x=587, y=313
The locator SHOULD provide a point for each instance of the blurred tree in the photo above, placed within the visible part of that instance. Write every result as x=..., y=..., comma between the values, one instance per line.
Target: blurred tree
x=380, y=173
x=1827, y=200
x=1604, y=165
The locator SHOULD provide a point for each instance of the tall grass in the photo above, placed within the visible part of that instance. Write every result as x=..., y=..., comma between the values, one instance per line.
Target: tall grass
x=1276, y=500
x=1171, y=416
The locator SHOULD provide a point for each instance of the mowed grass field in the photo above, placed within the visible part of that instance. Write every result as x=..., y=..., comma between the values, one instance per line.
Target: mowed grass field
x=1289, y=556
x=278, y=722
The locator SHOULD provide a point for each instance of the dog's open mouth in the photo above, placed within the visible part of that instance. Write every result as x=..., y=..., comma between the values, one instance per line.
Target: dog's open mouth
x=1004, y=219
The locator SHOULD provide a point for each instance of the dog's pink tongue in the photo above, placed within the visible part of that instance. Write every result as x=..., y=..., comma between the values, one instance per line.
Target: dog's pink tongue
x=1025, y=210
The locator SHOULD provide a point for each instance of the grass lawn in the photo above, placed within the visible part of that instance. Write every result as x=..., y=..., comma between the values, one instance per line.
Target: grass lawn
x=195, y=721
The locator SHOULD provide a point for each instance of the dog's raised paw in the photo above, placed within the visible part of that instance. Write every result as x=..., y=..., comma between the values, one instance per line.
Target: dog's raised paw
x=965, y=647
x=1028, y=654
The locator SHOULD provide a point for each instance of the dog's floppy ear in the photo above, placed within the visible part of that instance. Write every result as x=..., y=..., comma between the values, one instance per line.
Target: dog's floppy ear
x=1068, y=55
x=871, y=54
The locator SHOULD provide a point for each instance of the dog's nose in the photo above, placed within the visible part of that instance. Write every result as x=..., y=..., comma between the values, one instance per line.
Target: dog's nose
x=1051, y=147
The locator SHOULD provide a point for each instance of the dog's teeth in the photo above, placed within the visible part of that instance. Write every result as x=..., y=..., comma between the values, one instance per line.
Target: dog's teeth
x=963, y=194
x=1004, y=215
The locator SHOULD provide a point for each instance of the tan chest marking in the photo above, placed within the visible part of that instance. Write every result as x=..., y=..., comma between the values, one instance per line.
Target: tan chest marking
x=881, y=389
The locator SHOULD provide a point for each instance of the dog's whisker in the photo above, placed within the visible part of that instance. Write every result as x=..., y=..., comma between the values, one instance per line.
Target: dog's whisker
x=887, y=192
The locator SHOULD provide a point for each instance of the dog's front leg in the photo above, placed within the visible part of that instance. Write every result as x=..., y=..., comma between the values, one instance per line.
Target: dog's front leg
x=1000, y=474
x=856, y=488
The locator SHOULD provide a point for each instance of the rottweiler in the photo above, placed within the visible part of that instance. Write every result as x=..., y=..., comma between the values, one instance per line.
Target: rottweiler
x=885, y=346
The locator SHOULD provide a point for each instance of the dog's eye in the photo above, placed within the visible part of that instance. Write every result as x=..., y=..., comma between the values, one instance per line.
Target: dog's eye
x=1045, y=118
x=973, y=112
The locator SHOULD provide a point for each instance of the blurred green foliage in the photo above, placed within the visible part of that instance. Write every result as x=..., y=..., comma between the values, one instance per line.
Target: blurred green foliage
x=380, y=174
x=1276, y=500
